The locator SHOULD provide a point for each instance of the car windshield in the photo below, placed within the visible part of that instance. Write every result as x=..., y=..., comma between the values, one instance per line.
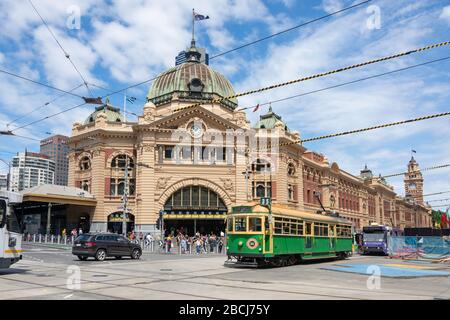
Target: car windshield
x=83, y=237
x=378, y=237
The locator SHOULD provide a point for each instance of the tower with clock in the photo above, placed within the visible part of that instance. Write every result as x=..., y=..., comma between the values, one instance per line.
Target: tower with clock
x=414, y=181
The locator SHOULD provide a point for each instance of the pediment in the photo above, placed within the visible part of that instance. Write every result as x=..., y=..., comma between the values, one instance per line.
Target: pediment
x=182, y=118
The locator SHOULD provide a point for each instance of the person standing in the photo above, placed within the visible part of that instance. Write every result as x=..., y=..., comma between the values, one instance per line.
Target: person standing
x=198, y=245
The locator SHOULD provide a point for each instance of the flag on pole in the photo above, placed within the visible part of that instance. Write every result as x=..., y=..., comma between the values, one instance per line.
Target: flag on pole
x=256, y=108
x=131, y=99
x=198, y=17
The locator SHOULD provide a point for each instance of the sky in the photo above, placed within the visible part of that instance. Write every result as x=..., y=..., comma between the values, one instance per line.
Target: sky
x=117, y=43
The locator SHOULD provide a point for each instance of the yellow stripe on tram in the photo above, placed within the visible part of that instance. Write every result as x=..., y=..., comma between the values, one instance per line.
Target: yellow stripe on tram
x=13, y=251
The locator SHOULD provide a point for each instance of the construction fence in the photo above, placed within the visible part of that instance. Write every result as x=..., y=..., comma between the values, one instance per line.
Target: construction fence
x=418, y=247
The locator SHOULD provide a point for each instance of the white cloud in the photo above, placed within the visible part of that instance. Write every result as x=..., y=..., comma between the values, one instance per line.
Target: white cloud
x=445, y=15
x=330, y=6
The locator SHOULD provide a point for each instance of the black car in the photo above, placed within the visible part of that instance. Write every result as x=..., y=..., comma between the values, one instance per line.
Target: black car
x=102, y=245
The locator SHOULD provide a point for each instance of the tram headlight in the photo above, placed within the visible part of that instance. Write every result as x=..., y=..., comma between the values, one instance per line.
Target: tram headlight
x=240, y=243
x=260, y=249
x=228, y=248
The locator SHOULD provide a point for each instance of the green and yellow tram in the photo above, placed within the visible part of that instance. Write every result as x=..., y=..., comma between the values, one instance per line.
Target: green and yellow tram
x=256, y=237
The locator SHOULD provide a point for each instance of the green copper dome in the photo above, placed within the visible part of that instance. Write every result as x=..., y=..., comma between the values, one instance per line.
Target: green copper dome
x=112, y=113
x=191, y=81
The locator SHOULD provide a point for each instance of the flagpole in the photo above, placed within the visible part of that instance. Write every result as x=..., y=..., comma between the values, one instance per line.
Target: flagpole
x=193, y=25
x=125, y=106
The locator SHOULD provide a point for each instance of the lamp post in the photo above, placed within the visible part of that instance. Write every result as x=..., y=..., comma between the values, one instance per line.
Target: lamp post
x=247, y=175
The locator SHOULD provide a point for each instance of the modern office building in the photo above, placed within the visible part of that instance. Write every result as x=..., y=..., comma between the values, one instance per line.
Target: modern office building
x=182, y=56
x=56, y=148
x=3, y=181
x=30, y=169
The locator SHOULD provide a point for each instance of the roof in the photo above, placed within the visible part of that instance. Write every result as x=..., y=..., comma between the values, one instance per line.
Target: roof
x=269, y=120
x=13, y=197
x=58, y=194
x=112, y=113
x=179, y=80
x=279, y=209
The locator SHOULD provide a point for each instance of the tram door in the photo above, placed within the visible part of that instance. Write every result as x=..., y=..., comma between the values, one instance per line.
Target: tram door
x=332, y=235
x=267, y=236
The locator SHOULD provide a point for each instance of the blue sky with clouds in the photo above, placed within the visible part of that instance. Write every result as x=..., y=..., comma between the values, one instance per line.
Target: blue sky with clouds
x=120, y=43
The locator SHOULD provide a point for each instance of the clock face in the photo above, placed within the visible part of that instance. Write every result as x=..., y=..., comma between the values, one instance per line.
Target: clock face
x=196, y=130
x=412, y=186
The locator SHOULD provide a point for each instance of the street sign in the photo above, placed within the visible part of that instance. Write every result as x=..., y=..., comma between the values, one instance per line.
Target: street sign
x=265, y=201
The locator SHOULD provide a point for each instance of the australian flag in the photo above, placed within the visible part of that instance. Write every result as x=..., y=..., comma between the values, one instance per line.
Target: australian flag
x=198, y=17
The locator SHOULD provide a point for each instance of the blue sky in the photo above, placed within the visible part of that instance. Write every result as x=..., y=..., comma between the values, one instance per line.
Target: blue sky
x=120, y=43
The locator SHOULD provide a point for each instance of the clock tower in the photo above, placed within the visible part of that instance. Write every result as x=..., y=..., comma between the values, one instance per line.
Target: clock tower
x=414, y=181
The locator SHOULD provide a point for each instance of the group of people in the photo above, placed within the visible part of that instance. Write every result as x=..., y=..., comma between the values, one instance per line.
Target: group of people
x=203, y=243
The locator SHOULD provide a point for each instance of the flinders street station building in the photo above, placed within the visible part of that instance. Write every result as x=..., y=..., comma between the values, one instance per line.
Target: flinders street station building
x=192, y=155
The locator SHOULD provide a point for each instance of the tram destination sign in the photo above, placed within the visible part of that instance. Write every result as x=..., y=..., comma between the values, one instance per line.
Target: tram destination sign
x=242, y=209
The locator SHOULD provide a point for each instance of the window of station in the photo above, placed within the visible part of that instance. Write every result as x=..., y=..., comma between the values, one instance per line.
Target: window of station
x=344, y=231
x=240, y=224
x=85, y=163
x=254, y=224
x=321, y=229
x=121, y=161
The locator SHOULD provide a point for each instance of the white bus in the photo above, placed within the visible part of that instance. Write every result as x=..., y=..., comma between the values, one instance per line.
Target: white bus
x=10, y=229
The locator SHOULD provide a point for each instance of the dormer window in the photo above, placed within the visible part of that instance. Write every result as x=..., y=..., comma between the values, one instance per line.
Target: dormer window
x=196, y=87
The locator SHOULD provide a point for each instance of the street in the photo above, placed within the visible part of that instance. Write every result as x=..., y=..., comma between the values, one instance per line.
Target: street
x=44, y=274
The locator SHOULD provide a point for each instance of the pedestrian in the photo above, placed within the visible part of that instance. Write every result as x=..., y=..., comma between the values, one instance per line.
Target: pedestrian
x=220, y=245
x=169, y=243
x=198, y=245
x=63, y=232
x=148, y=239
x=183, y=244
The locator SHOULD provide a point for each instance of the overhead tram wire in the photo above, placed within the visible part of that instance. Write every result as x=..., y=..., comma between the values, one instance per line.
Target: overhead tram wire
x=250, y=43
x=290, y=29
x=41, y=106
x=40, y=83
x=154, y=78
x=438, y=200
x=429, y=47
x=347, y=83
x=319, y=75
x=61, y=47
x=425, y=169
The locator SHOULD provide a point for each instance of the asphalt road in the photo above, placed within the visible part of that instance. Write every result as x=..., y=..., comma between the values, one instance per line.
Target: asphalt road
x=47, y=273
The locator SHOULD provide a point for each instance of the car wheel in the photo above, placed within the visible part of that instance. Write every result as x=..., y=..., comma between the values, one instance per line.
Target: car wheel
x=82, y=258
x=136, y=254
x=118, y=257
x=100, y=255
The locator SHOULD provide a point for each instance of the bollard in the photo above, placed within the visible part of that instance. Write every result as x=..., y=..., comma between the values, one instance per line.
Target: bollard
x=34, y=238
x=59, y=239
x=52, y=238
x=65, y=240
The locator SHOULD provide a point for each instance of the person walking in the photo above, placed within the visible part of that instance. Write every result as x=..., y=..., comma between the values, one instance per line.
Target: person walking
x=220, y=244
x=198, y=245
x=169, y=243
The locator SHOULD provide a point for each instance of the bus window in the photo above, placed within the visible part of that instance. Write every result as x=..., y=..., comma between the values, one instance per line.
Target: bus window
x=12, y=222
x=240, y=224
x=254, y=224
x=308, y=228
x=230, y=224
x=2, y=213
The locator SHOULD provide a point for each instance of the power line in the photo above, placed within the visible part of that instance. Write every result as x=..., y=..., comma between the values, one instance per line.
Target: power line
x=444, y=205
x=41, y=106
x=417, y=171
x=62, y=49
x=289, y=29
x=248, y=44
x=319, y=75
x=39, y=83
x=347, y=83
x=439, y=200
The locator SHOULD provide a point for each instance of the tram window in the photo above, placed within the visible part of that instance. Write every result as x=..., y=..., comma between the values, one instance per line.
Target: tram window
x=321, y=229
x=308, y=228
x=230, y=224
x=286, y=229
x=254, y=224
x=240, y=224
x=344, y=231
x=278, y=227
x=293, y=228
x=300, y=228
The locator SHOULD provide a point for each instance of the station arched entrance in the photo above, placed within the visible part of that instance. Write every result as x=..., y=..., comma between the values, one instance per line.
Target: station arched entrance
x=115, y=222
x=193, y=209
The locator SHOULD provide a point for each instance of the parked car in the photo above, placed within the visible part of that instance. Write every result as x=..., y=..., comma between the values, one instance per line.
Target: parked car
x=102, y=245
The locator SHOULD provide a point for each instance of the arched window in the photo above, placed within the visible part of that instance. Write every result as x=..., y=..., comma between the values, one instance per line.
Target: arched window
x=121, y=160
x=196, y=199
x=291, y=169
x=85, y=163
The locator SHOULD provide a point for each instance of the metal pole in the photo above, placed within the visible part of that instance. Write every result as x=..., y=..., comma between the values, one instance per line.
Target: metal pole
x=49, y=212
x=125, y=199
